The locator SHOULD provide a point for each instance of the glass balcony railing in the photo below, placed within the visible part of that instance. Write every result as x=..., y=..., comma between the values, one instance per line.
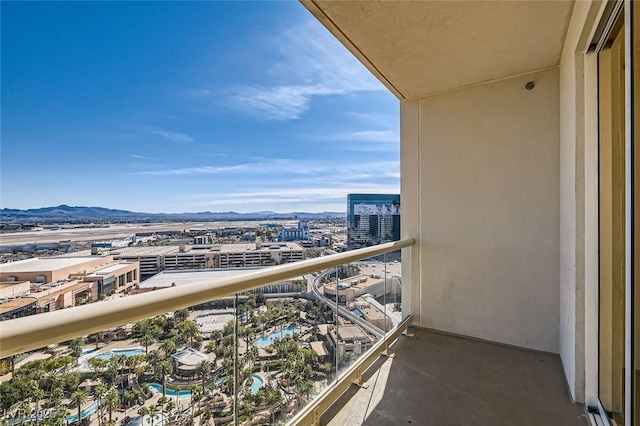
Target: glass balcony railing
x=276, y=346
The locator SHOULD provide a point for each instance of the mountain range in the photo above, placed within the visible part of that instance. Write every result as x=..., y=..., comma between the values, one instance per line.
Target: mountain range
x=80, y=213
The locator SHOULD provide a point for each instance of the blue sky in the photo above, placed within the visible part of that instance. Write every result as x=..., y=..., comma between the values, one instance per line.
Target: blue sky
x=185, y=107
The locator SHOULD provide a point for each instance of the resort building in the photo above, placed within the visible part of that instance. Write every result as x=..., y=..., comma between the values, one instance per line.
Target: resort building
x=258, y=254
x=301, y=233
x=372, y=219
x=350, y=288
x=155, y=259
x=46, y=284
x=349, y=338
x=185, y=363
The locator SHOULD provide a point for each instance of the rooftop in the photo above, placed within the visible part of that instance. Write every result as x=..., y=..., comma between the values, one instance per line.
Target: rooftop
x=16, y=303
x=350, y=332
x=192, y=276
x=144, y=251
x=44, y=264
x=111, y=268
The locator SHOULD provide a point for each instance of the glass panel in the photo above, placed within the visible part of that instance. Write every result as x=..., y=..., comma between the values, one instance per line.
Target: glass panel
x=612, y=223
x=636, y=200
x=255, y=357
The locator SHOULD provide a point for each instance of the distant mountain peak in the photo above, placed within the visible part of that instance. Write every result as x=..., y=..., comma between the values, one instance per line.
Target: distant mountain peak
x=64, y=212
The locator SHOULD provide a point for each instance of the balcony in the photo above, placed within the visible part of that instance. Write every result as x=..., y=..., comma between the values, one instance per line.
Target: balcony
x=440, y=379
x=432, y=377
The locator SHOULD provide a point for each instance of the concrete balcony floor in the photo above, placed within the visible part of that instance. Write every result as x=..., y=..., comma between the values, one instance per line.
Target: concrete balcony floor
x=439, y=379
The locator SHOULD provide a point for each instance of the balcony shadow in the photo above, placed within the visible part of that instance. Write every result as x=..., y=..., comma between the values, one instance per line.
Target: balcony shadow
x=440, y=379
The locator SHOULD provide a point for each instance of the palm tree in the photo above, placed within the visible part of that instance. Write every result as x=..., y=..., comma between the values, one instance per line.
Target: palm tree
x=113, y=401
x=76, y=348
x=205, y=416
x=168, y=347
x=153, y=412
x=143, y=411
x=147, y=339
x=25, y=410
x=181, y=315
x=100, y=392
x=170, y=406
x=187, y=329
x=61, y=415
x=79, y=397
x=37, y=395
x=163, y=368
x=203, y=370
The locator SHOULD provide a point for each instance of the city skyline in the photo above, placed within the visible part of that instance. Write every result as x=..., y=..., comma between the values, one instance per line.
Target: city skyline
x=184, y=107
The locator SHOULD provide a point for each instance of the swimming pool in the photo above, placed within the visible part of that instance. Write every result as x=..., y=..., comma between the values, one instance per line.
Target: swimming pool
x=84, y=413
x=258, y=382
x=125, y=352
x=269, y=338
x=185, y=393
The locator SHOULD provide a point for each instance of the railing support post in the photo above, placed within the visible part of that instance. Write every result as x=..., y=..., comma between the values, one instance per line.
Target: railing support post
x=387, y=352
x=406, y=331
x=359, y=381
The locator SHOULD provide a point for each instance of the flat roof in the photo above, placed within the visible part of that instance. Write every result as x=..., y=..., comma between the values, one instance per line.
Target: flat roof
x=351, y=332
x=191, y=276
x=319, y=348
x=144, y=251
x=7, y=284
x=251, y=247
x=359, y=285
x=16, y=304
x=111, y=268
x=44, y=264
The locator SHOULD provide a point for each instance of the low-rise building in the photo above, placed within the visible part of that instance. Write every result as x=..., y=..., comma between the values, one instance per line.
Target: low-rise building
x=156, y=259
x=349, y=289
x=46, y=284
x=347, y=338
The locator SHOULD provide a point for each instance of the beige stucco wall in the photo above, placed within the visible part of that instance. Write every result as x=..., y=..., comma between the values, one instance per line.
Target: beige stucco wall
x=481, y=185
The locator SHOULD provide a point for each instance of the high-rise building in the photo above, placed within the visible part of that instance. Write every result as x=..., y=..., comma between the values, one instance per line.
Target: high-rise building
x=372, y=219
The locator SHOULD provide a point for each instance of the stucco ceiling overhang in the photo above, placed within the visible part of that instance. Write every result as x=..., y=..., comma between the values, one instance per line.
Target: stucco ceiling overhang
x=419, y=48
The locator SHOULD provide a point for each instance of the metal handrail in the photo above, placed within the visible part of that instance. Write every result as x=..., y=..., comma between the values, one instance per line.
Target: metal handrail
x=36, y=331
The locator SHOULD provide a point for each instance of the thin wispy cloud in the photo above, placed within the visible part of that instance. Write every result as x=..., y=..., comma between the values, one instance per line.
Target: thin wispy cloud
x=308, y=195
x=310, y=63
x=339, y=171
x=166, y=134
x=141, y=157
x=367, y=136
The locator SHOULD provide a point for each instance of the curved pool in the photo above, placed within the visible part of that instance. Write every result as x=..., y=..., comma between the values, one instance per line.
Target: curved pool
x=84, y=413
x=258, y=382
x=184, y=393
x=269, y=338
x=114, y=352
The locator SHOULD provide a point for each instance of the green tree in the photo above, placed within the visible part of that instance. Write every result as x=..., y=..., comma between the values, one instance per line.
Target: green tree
x=112, y=400
x=100, y=393
x=37, y=395
x=168, y=347
x=181, y=315
x=76, y=348
x=162, y=369
x=203, y=370
x=25, y=411
x=153, y=413
x=147, y=339
x=78, y=398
